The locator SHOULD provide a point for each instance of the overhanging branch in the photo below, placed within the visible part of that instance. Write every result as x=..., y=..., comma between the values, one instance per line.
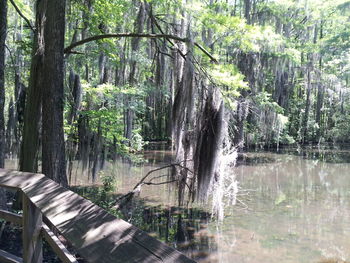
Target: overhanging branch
x=120, y=35
x=206, y=52
x=70, y=48
x=23, y=16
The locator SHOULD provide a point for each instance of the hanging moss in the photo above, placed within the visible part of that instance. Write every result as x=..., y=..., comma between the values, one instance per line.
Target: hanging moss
x=209, y=144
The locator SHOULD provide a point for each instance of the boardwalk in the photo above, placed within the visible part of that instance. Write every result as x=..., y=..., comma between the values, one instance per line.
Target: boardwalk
x=95, y=234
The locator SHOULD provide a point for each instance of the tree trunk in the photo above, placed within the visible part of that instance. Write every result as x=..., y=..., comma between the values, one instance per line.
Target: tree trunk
x=53, y=149
x=319, y=105
x=19, y=106
x=307, y=105
x=3, y=32
x=135, y=43
x=32, y=113
x=247, y=7
x=241, y=115
x=9, y=130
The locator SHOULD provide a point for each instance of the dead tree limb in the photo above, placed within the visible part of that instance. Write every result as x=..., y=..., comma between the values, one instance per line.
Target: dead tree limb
x=122, y=200
x=161, y=31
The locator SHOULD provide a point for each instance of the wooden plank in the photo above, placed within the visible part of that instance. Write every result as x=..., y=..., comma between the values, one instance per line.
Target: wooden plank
x=11, y=217
x=18, y=180
x=32, y=240
x=96, y=235
x=6, y=257
x=57, y=246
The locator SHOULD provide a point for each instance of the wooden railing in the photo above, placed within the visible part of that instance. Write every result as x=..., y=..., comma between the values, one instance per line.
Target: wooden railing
x=95, y=235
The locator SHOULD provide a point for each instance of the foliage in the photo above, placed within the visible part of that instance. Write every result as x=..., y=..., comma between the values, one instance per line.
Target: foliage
x=137, y=143
x=288, y=60
x=108, y=182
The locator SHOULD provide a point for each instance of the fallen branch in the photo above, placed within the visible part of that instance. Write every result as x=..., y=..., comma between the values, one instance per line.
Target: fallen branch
x=166, y=182
x=122, y=200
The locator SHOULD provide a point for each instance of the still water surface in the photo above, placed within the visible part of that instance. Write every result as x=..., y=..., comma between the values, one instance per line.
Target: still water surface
x=297, y=210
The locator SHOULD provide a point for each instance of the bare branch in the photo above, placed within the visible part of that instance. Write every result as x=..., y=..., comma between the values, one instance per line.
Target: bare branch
x=166, y=182
x=120, y=35
x=245, y=206
x=158, y=169
x=23, y=16
x=161, y=31
x=157, y=177
x=165, y=54
x=206, y=52
x=137, y=188
x=12, y=58
x=69, y=49
x=76, y=52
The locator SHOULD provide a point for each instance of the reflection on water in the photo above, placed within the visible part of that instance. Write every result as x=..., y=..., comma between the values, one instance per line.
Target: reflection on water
x=184, y=229
x=298, y=208
x=298, y=212
x=330, y=153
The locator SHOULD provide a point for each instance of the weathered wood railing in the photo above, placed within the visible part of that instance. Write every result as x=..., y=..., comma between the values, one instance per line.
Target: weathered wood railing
x=95, y=235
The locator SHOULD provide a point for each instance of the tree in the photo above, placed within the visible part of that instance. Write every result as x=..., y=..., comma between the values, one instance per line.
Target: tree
x=282, y=78
x=3, y=33
x=46, y=89
x=53, y=149
x=29, y=153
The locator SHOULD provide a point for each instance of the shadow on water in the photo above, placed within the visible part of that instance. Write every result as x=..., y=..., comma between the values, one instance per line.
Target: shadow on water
x=181, y=228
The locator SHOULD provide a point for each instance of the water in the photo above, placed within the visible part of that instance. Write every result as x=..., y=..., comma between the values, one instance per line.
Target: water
x=296, y=208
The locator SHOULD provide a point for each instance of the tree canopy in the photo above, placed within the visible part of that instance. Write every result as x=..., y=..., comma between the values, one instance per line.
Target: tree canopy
x=258, y=73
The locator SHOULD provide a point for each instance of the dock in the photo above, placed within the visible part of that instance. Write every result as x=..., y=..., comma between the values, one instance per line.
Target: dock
x=95, y=235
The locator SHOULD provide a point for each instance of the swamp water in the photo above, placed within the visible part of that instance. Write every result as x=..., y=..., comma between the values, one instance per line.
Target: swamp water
x=297, y=209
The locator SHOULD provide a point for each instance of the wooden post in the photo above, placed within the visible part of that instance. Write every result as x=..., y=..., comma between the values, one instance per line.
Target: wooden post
x=32, y=240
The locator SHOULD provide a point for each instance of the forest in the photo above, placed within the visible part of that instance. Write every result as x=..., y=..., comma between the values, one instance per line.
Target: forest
x=86, y=84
